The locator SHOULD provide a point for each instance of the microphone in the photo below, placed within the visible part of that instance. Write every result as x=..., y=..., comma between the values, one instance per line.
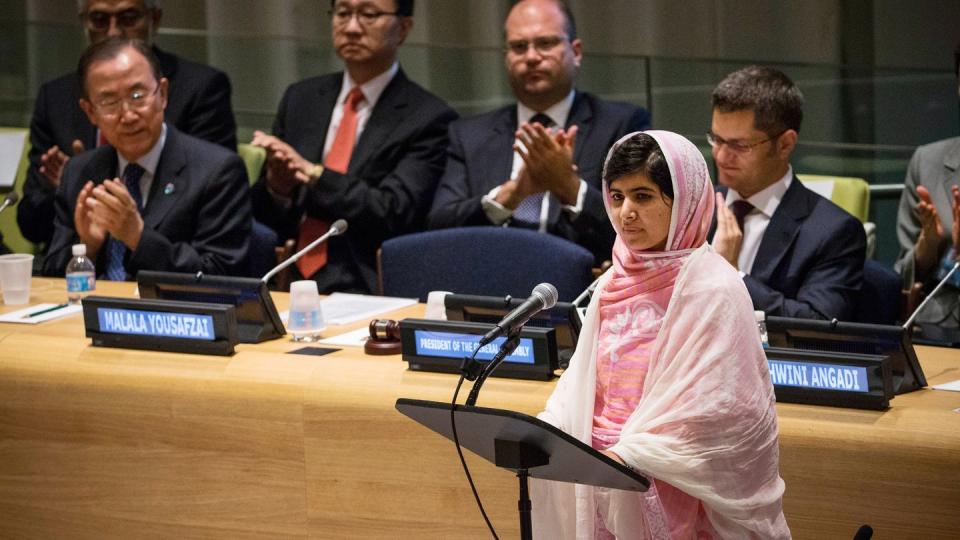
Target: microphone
x=10, y=200
x=544, y=296
x=909, y=323
x=339, y=227
x=587, y=293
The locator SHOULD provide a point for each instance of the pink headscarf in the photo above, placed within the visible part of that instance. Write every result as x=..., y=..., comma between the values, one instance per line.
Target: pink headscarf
x=632, y=308
x=704, y=423
x=641, y=282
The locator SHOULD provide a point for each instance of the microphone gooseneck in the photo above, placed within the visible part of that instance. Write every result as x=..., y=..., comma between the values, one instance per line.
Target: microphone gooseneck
x=337, y=228
x=909, y=323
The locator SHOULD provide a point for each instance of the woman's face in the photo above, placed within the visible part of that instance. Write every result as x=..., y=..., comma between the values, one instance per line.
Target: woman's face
x=642, y=211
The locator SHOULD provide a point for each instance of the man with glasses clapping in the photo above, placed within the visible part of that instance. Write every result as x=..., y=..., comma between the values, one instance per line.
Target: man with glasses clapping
x=536, y=163
x=152, y=197
x=198, y=104
x=799, y=254
x=365, y=144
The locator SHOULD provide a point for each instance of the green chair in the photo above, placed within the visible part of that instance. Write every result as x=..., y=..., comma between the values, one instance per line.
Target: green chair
x=851, y=194
x=8, y=218
x=253, y=157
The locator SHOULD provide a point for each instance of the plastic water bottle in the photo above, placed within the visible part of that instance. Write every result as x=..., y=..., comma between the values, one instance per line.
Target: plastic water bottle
x=81, y=275
x=761, y=318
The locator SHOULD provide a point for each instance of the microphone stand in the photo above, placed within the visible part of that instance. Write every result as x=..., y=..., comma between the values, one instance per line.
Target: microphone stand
x=510, y=345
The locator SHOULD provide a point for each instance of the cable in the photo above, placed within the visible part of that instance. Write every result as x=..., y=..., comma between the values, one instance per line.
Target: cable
x=456, y=442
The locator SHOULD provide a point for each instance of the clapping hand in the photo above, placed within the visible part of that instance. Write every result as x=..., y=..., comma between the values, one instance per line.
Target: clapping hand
x=286, y=168
x=729, y=238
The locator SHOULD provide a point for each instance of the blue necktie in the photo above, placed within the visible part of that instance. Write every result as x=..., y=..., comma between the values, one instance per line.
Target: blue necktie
x=528, y=211
x=115, y=248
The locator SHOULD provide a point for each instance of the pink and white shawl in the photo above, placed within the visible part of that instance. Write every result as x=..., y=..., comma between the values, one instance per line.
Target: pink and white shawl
x=706, y=423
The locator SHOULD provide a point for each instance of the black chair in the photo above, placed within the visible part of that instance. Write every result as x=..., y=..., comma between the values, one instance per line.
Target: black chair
x=879, y=301
x=489, y=261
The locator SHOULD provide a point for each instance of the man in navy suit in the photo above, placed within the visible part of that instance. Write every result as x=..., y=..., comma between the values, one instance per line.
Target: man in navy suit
x=365, y=145
x=152, y=197
x=799, y=254
x=198, y=104
x=537, y=163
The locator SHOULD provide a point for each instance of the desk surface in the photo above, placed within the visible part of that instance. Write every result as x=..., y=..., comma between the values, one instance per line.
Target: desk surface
x=110, y=442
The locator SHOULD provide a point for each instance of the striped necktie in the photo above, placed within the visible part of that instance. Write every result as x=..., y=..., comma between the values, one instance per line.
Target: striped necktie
x=116, y=250
x=528, y=211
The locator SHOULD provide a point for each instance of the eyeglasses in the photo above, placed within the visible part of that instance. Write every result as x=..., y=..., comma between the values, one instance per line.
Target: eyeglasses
x=542, y=45
x=366, y=16
x=737, y=147
x=138, y=100
x=100, y=20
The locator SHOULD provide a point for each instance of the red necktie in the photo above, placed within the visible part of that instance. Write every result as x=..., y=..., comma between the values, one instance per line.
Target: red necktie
x=338, y=159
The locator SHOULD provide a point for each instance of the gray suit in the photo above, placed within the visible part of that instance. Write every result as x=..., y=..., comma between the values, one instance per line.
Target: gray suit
x=937, y=167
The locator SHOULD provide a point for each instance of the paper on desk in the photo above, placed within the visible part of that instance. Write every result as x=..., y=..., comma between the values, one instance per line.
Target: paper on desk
x=11, y=149
x=20, y=316
x=355, y=338
x=345, y=308
x=953, y=386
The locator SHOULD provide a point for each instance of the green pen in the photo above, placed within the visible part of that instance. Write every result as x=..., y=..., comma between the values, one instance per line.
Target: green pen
x=45, y=310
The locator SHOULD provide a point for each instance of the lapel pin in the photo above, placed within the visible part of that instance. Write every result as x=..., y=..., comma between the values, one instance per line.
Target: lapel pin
x=169, y=188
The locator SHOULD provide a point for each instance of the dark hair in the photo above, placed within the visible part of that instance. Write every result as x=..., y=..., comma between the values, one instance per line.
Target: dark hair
x=776, y=102
x=569, y=25
x=109, y=49
x=404, y=7
x=640, y=154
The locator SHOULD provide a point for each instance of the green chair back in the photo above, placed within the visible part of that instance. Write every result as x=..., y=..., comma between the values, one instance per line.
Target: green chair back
x=851, y=194
x=253, y=157
x=8, y=218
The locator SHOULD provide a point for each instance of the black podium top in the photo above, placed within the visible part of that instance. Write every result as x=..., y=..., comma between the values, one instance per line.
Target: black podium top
x=479, y=428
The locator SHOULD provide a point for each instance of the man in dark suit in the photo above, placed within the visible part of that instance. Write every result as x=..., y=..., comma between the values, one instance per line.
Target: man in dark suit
x=537, y=164
x=365, y=145
x=799, y=254
x=199, y=105
x=152, y=197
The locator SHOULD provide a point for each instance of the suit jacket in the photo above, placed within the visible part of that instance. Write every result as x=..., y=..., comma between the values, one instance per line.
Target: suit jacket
x=197, y=217
x=388, y=186
x=937, y=167
x=198, y=104
x=810, y=260
x=480, y=157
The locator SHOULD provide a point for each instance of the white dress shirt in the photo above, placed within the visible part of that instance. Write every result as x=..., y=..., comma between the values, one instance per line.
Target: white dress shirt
x=372, y=90
x=765, y=203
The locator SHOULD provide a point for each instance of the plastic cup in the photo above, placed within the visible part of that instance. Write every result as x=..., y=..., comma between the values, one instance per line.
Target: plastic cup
x=436, y=309
x=15, y=275
x=306, y=318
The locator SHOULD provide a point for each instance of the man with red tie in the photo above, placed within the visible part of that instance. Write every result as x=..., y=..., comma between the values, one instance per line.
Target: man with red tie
x=365, y=145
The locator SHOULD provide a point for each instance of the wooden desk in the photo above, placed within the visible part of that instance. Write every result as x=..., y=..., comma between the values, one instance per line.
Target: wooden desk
x=98, y=442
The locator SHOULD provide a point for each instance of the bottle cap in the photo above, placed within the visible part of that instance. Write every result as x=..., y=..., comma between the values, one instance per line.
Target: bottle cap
x=79, y=249
x=759, y=315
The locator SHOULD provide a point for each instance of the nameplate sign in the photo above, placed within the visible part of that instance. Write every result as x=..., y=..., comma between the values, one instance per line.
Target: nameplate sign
x=455, y=345
x=164, y=325
x=154, y=323
x=430, y=345
x=859, y=381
